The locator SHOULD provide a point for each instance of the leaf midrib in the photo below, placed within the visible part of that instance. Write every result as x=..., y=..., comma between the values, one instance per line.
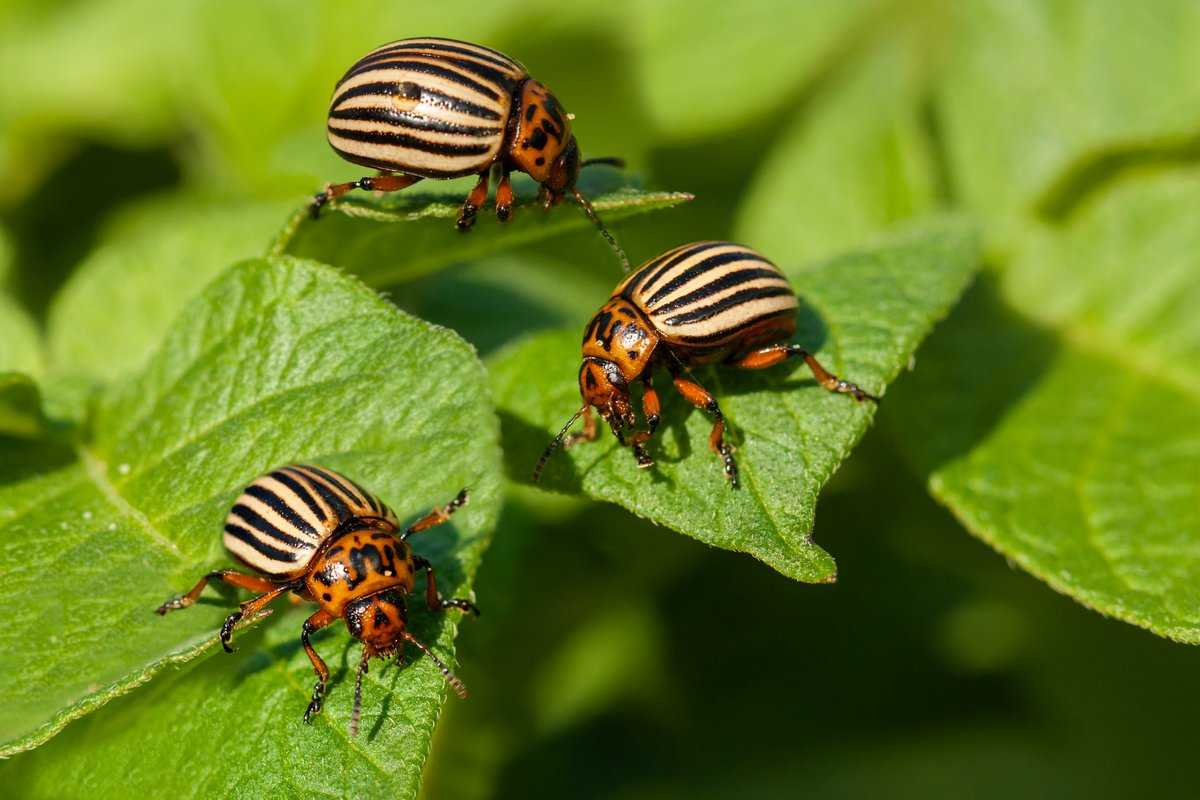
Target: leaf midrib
x=97, y=472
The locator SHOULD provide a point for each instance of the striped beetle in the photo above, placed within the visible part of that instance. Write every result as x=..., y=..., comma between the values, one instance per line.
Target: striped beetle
x=441, y=108
x=696, y=304
x=316, y=533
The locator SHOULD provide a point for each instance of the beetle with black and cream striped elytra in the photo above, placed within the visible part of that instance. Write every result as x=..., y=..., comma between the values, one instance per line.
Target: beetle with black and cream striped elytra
x=317, y=534
x=441, y=108
x=697, y=304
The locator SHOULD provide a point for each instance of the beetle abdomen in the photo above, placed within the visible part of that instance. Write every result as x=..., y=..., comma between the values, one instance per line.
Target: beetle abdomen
x=710, y=295
x=281, y=519
x=437, y=108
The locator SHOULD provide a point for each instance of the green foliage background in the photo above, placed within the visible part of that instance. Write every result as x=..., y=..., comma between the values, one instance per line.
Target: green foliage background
x=169, y=328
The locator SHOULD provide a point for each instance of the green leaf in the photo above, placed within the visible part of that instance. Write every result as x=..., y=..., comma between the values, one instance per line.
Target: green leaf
x=232, y=726
x=708, y=66
x=1058, y=415
x=280, y=360
x=1030, y=89
x=20, y=405
x=858, y=162
x=864, y=315
x=21, y=360
x=150, y=262
x=411, y=233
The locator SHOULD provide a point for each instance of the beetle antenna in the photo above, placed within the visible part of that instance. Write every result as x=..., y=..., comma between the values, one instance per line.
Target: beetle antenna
x=590, y=212
x=554, y=445
x=611, y=161
x=454, y=682
x=356, y=713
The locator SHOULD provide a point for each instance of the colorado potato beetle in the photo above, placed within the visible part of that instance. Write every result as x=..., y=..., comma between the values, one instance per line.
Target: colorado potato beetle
x=441, y=108
x=317, y=534
x=696, y=304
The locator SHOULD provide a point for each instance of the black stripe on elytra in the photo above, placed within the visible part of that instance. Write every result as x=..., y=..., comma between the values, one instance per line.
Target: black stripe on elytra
x=372, y=501
x=301, y=491
x=264, y=549
x=411, y=142
x=266, y=528
x=425, y=68
x=498, y=59
x=280, y=507
x=428, y=96
x=484, y=71
x=339, y=483
x=726, y=281
x=417, y=122
x=340, y=509
x=728, y=302
x=498, y=77
x=645, y=282
x=699, y=268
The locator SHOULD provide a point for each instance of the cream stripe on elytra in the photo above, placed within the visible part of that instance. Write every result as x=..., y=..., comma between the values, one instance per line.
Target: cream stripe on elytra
x=708, y=293
x=281, y=519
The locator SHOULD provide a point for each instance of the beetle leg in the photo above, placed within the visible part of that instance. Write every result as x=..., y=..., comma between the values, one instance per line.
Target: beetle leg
x=314, y=623
x=437, y=516
x=477, y=197
x=249, y=609
x=698, y=396
x=651, y=408
x=504, y=197
x=588, y=434
x=775, y=354
x=432, y=598
x=251, y=582
x=378, y=183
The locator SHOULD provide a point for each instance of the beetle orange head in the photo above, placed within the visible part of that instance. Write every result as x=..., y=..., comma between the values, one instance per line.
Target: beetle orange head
x=380, y=622
x=602, y=386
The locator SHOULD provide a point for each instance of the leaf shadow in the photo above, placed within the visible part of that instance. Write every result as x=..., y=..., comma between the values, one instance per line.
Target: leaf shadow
x=522, y=443
x=486, y=314
x=979, y=364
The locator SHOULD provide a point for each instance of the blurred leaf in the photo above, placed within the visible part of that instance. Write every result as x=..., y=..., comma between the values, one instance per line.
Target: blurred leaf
x=116, y=306
x=20, y=340
x=602, y=662
x=1032, y=89
x=20, y=405
x=76, y=74
x=399, y=237
x=709, y=66
x=20, y=359
x=864, y=316
x=857, y=163
x=278, y=361
x=1066, y=434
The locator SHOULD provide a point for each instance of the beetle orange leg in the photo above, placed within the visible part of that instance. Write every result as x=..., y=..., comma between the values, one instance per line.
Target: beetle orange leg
x=504, y=197
x=437, y=516
x=698, y=396
x=432, y=598
x=477, y=197
x=378, y=183
x=314, y=623
x=249, y=609
x=775, y=354
x=651, y=409
x=251, y=582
